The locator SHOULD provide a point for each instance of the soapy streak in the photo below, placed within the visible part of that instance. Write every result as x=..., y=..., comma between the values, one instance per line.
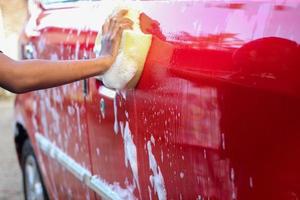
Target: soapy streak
x=129, y=146
x=100, y=186
x=116, y=128
x=156, y=180
x=130, y=152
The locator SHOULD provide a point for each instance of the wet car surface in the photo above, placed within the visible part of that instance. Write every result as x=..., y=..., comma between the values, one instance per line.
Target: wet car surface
x=214, y=115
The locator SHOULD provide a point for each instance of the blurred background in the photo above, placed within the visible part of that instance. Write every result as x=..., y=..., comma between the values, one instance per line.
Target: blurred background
x=12, y=16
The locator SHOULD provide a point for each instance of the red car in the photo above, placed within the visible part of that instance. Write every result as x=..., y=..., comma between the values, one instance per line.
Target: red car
x=215, y=114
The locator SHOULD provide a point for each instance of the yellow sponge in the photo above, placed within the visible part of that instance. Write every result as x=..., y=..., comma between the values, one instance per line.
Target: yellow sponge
x=134, y=47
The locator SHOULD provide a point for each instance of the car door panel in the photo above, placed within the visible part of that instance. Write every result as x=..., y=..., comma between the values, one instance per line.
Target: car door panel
x=214, y=115
x=187, y=142
x=60, y=111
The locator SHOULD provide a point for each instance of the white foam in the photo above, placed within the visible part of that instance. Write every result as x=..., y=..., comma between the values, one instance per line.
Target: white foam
x=78, y=120
x=116, y=128
x=115, y=190
x=71, y=110
x=157, y=179
x=130, y=152
x=102, y=110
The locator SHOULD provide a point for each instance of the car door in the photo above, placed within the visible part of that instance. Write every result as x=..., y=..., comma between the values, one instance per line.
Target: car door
x=112, y=128
x=138, y=147
x=61, y=126
x=208, y=115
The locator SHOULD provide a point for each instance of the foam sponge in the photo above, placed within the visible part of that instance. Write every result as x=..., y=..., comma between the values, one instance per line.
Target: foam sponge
x=129, y=64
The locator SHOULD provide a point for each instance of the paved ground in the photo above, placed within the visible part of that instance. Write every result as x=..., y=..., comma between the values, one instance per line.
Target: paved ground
x=10, y=174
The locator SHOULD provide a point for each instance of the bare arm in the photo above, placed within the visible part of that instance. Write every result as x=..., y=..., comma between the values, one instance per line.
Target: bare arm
x=24, y=76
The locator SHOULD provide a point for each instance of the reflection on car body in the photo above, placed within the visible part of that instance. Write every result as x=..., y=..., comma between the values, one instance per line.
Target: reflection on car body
x=214, y=115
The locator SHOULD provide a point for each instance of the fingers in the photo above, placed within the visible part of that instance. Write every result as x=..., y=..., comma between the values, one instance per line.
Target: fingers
x=105, y=28
x=126, y=21
x=113, y=20
x=119, y=27
x=121, y=13
x=112, y=31
x=116, y=20
x=112, y=23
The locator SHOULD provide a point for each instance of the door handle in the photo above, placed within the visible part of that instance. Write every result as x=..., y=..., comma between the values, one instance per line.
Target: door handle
x=85, y=87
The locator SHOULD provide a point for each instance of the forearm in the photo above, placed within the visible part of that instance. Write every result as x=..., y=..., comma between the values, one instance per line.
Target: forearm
x=40, y=74
x=24, y=76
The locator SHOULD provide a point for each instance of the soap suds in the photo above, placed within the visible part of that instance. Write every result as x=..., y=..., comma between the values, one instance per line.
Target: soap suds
x=78, y=121
x=119, y=192
x=129, y=146
x=71, y=110
x=156, y=179
x=130, y=152
x=102, y=108
x=116, y=128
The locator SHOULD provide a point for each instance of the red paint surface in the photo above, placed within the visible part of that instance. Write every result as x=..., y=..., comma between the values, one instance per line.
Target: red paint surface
x=219, y=95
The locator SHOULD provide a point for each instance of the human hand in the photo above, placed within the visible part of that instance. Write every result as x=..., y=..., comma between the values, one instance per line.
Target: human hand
x=111, y=35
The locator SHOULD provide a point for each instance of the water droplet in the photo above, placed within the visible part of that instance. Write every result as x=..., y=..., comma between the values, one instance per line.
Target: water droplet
x=232, y=174
x=181, y=175
x=251, y=182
